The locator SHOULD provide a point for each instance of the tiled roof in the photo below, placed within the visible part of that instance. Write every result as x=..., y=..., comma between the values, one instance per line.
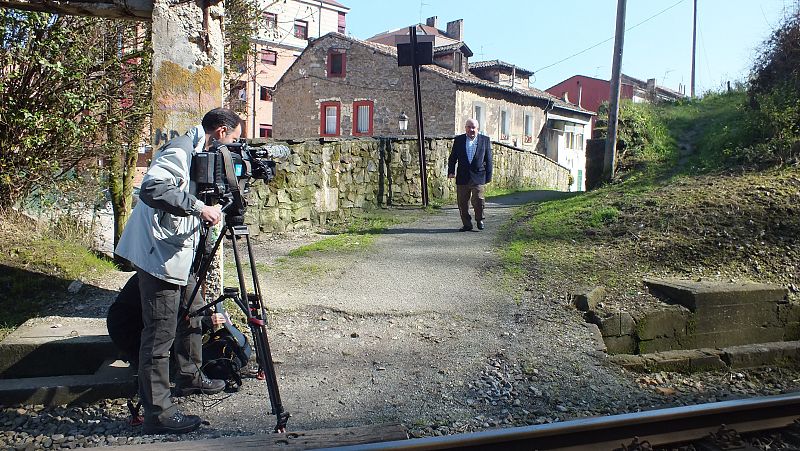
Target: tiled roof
x=469, y=79
x=387, y=37
x=331, y=2
x=498, y=63
x=453, y=47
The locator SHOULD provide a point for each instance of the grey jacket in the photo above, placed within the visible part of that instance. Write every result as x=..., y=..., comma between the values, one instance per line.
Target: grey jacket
x=163, y=230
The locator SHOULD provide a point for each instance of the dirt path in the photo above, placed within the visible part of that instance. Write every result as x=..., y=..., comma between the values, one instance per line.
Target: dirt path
x=405, y=331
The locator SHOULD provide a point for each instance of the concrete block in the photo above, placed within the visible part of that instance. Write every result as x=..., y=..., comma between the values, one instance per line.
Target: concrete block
x=587, y=298
x=629, y=362
x=755, y=355
x=56, y=346
x=616, y=324
x=620, y=345
x=692, y=294
x=666, y=322
x=733, y=337
x=711, y=318
x=660, y=344
x=789, y=312
x=112, y=380
x=686, y=360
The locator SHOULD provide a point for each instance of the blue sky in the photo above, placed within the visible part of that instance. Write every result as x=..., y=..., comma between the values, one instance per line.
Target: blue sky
x=535, y=34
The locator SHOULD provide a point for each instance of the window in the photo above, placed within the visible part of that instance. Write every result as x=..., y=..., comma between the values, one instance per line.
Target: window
x=573, y=136
x=265, y=131
x=362, y=117
x=265, y=94
x=479, y=114
x=301, y=29
x=503, y=124
x=528, y=125
x=337, y=62
x=238, y=91
x=329, y=115
x=270, y=21
x=342, y=27
x=269, y=57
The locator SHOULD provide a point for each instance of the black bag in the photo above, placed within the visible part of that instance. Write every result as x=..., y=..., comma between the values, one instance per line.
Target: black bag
x=124, y=321
x=225, y=353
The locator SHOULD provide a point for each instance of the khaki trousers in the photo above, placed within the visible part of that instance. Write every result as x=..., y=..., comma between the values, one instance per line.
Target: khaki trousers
x=475, y=193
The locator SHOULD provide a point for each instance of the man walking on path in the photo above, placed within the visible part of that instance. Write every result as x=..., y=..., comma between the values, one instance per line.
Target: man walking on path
x=470, y=163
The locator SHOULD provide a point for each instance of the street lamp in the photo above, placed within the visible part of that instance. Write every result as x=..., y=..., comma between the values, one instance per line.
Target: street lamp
x=402, y=121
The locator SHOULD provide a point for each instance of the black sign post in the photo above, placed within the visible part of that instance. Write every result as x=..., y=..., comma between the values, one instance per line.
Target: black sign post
x=418, y=51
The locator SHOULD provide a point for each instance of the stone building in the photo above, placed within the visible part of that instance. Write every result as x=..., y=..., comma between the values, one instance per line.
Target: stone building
x=346, y=87
x=285, y=29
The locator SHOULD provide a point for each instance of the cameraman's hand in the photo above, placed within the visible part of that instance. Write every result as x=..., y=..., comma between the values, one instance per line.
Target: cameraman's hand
x=211, y=215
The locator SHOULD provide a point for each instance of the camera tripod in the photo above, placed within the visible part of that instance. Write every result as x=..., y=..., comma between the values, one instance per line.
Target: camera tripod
x=251, y=303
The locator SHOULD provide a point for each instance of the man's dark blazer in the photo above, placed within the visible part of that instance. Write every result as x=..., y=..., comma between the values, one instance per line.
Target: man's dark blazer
x=479, y=172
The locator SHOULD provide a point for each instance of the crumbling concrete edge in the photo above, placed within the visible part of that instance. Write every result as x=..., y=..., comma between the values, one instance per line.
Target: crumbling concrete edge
x=782, y=353
x=114, y=379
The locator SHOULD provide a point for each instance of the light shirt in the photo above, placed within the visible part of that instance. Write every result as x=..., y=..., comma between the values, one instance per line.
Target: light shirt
x=472, y=145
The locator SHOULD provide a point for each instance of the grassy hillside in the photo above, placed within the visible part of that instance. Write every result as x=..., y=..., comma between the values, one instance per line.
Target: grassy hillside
x=38, y=263
x=683, y=205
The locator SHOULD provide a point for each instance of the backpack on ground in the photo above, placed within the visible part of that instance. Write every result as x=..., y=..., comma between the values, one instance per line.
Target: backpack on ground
x=225, y=351
x=225, y=354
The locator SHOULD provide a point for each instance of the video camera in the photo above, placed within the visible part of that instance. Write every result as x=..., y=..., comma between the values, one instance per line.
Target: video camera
x=224, y=173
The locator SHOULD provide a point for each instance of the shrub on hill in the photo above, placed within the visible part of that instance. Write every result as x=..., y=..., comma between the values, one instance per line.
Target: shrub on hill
x=774, y=96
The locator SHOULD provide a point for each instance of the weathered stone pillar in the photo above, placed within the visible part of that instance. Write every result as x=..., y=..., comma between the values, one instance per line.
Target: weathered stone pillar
x=187, y=65
x=187, y=78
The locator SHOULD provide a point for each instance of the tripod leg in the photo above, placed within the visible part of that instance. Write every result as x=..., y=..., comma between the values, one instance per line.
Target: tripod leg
x=256, y=319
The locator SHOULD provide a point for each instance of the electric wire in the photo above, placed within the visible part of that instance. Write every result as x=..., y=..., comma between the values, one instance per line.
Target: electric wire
x=603, y=42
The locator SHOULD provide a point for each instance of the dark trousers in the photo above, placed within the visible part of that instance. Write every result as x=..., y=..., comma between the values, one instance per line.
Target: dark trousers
x=160, y=303
x=465, y=193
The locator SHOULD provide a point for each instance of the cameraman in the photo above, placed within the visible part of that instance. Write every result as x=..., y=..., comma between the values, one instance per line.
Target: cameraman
x=160, y=240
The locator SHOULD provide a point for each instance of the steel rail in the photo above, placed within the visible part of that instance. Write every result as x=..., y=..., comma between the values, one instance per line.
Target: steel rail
x=662, y=426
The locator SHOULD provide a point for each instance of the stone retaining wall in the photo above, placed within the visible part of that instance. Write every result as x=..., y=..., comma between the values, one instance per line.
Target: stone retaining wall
x=327, y=182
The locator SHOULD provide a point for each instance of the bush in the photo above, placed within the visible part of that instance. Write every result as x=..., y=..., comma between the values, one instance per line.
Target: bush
x=774, y=97
x=641, y=135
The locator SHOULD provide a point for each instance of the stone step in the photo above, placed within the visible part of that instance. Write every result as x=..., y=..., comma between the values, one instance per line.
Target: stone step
x=695, y=295
x=112, y=379
x=781, y=353
x=56, y=346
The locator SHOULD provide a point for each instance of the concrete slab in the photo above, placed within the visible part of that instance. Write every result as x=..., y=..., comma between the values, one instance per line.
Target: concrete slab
x=755, y=355
x=56, y=346
x=114, y=379
x=694, y=294
x=783, y=353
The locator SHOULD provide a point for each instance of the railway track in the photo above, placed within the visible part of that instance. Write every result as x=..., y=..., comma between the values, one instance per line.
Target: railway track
x=701, y=427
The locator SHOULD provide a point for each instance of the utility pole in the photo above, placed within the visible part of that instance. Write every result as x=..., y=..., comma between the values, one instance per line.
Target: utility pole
x=694, y=44
x=609, y=162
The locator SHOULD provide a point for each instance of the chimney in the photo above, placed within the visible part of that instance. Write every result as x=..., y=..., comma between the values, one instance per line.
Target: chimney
x=432, y=21
x=565, y=96
x=651, y=84
x=580, y=93
x=455, y=29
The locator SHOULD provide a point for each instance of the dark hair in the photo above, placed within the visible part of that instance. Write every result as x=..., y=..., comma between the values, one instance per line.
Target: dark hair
x=219, y=117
